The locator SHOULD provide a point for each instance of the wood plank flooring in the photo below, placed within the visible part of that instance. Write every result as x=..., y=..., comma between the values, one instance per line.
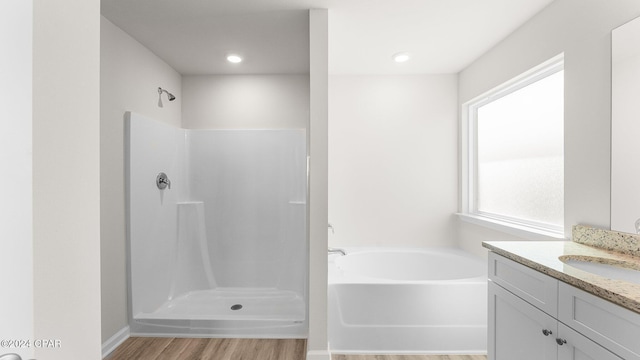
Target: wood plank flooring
x=148, y=348
x=138, y=348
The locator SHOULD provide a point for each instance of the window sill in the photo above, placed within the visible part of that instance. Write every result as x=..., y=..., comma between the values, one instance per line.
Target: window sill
x=511, y=228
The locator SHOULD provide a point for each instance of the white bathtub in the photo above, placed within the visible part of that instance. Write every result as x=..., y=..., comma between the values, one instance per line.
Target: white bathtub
x=407, y=301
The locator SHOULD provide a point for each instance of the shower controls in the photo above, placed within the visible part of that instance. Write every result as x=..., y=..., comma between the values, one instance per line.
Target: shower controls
x=162, y=181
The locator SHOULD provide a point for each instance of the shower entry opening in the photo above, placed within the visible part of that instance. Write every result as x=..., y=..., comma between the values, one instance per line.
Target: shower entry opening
x=216, y=231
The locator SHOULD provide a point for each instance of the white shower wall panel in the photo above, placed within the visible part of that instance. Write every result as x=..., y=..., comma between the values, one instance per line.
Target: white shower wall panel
x=253, y=185
x=223, y=251
x=192, y=267
x=153, y=212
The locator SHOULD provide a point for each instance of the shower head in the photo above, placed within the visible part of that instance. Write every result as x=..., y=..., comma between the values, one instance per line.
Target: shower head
x=169, y=95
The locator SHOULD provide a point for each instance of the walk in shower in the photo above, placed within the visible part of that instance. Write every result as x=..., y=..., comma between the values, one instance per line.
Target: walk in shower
x=217, y=231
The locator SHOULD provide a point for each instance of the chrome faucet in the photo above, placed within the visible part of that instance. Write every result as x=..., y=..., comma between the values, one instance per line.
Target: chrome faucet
x=337, y=251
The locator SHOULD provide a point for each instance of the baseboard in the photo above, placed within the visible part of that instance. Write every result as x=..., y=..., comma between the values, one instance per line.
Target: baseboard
x=115, y=341
x=318, y=355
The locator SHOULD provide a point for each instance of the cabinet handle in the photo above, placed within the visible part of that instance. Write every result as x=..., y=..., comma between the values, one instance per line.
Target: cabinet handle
x=561, y=341
x=547, y=332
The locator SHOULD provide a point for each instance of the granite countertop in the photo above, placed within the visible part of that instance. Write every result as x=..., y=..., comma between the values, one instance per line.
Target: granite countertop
x=544, y=256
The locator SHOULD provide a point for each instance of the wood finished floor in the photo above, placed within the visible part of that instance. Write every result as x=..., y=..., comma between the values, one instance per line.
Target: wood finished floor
x=139, y=348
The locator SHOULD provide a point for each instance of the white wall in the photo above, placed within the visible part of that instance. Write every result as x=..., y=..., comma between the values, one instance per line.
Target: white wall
x=392, y=154
x=245, y=101
x=317, y=344
x=16, y=257
x=66, y=177
x=130, y=76
x=581, y=29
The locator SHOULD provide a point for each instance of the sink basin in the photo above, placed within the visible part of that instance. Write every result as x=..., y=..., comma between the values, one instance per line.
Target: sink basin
x=608, y=268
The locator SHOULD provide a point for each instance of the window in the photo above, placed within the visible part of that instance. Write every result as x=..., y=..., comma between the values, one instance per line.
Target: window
x=514, y=158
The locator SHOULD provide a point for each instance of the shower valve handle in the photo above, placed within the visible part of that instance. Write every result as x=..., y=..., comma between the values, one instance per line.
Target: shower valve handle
x=162, y=181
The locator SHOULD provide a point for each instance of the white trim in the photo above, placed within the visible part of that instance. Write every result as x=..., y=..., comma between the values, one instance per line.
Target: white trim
x=538, y=73
x=318, y=355
x=554, y=64
x=116, y=340
x=468, y=153
x=523, y=231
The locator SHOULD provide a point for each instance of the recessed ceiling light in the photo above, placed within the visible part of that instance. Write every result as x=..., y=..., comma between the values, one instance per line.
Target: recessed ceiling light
x=233, y=58
x=401, y=57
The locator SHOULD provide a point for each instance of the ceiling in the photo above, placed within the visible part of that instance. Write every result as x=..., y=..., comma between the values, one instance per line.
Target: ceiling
x=442, y=36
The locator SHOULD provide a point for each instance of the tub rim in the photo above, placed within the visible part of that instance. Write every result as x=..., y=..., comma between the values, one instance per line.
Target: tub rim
x=336, y=276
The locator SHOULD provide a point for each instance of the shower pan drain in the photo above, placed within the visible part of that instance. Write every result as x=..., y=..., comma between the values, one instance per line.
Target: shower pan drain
x=236, y=307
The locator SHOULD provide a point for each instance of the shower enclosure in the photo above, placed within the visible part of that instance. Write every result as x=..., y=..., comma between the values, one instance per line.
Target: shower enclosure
x=217, y=231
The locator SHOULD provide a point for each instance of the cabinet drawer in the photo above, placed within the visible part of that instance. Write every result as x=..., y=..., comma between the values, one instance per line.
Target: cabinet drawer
x=606, y=323
x=532, y=286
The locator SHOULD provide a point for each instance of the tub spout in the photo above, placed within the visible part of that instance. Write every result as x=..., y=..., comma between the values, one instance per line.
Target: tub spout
x=337, y=251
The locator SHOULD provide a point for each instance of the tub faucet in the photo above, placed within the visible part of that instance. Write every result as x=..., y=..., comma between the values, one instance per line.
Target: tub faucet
x=337, y=251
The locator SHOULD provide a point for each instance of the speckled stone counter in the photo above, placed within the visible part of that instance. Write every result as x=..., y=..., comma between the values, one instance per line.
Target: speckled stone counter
x=544, y=256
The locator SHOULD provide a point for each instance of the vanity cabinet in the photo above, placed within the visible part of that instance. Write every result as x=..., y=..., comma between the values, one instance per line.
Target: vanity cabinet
x=533, y=316
x=515, y=328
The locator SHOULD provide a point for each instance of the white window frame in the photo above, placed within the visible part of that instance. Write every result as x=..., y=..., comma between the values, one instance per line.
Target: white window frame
x=468, y=151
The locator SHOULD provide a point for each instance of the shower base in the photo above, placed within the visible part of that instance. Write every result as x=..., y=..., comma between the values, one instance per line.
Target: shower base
x=259, y=313
x=264, y=304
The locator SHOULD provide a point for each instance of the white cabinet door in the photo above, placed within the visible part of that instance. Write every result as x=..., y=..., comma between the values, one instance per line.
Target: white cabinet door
x=578, y=347
x=517, y=329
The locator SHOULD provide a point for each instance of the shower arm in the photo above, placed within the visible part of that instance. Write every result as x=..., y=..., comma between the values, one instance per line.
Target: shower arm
x=169, y=95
